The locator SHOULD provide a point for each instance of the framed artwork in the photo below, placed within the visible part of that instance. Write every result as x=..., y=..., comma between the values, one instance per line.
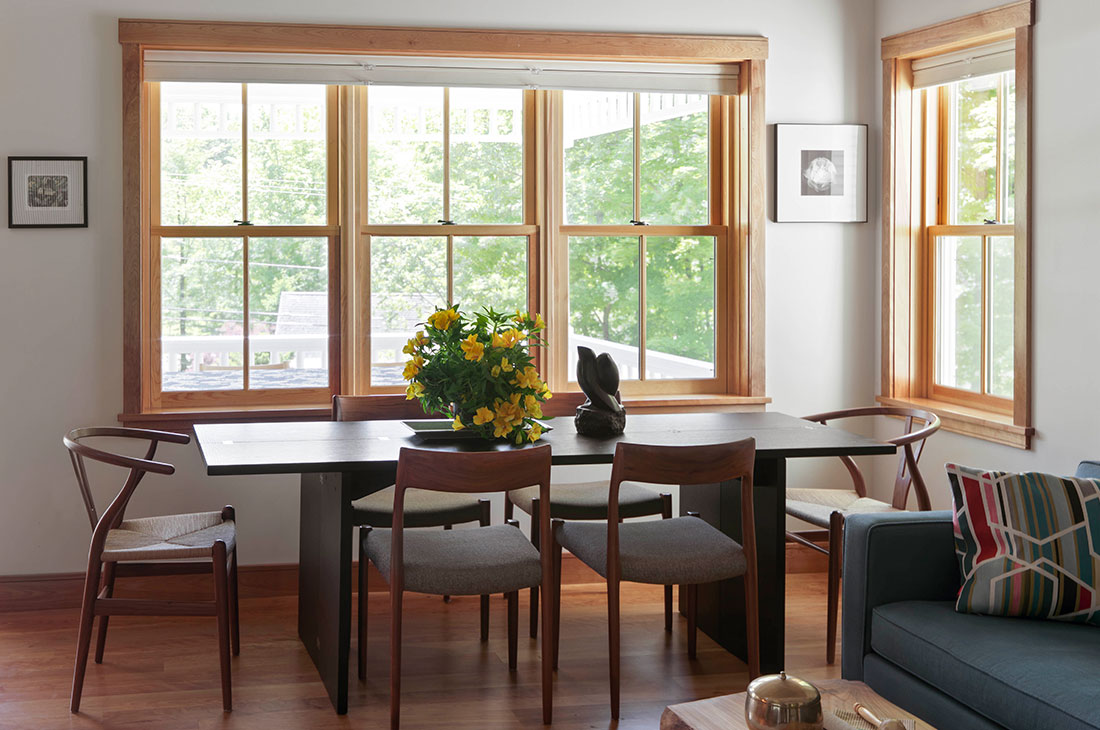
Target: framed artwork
x=821, y=173
x=47, y=192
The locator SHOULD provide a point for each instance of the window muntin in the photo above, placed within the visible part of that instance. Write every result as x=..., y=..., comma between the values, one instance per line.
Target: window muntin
x=972, y=244
x=241, y=308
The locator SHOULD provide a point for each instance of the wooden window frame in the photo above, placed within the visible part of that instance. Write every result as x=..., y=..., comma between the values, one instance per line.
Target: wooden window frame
x=741, y=209
x=912, y=215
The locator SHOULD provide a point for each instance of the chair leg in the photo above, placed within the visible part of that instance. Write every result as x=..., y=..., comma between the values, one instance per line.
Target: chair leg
x=535, y=589
x=221, y=601
x=361, y=647
x=666, y=513
x=84, y=637
x=555, y=625
x=395, y=656
x=484, y=521
x=836, y=537
x=613, y=642
x=446, y=599
x=109, y=584
x=513, y=629
x=234, y=606
x=692, y=599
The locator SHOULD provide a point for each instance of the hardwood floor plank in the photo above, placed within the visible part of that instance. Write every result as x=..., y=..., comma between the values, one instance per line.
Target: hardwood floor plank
x=162, y=673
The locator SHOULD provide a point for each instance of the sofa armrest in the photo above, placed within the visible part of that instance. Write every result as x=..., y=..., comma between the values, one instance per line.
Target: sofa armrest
x=890, y=557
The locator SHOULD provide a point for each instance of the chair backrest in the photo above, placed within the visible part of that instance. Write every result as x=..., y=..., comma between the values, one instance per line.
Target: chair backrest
x=685, y=465
x=919, y=425
x=374, y=408
x=79, y=451
x=476, y=471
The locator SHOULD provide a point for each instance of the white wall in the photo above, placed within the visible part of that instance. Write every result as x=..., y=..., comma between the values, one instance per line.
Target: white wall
x=1065, y=251
x=61, y=290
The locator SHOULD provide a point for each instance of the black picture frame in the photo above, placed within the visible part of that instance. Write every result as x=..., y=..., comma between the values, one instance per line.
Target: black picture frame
x=12, y=160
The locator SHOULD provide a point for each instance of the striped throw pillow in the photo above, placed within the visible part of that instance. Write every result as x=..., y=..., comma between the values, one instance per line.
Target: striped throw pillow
x=1028, y=544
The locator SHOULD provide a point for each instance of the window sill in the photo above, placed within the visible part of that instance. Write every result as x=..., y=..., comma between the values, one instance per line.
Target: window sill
x=561, y=404
x=985, y=425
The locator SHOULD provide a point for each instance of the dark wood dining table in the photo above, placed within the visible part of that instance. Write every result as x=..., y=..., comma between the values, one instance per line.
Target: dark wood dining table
x=342, y=461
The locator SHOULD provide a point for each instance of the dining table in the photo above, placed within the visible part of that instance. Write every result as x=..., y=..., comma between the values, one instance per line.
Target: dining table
x=340, y=461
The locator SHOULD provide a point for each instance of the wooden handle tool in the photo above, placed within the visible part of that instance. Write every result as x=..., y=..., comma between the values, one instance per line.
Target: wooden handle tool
x=870, y=717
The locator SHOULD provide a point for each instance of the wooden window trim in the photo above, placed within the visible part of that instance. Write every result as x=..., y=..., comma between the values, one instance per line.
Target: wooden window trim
x=743, y=205
x=906, y=217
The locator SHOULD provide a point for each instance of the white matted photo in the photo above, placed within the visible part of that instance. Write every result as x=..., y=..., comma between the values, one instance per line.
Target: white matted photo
x=821, y=173
x=47, y=192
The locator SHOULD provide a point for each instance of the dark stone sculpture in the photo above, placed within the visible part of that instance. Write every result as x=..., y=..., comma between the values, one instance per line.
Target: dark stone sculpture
x=602, y=414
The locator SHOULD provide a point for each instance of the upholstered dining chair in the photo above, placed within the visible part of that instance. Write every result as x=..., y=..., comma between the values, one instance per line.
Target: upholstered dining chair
x=477, y=561
x=122, y=547
x=422, y=508
x=588, y=501
x=684, y=551
x=827, y=508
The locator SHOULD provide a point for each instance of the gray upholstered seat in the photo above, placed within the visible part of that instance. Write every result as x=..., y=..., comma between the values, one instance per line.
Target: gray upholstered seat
x=682, y=550
x=423, y=508
x=816, y=505
x=588, y=500
x=464, y=562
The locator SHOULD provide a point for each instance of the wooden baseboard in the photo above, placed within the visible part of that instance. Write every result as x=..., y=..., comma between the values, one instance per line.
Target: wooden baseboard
x=63, y=590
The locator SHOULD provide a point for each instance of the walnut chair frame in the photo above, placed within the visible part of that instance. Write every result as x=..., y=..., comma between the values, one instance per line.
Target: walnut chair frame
x=373, y=408
x=908, y=478
x=681, y=465
x=99, y=601
x=483, y=472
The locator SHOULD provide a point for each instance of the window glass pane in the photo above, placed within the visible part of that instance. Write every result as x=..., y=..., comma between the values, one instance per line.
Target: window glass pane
x=202, y=317
x=486, y=155
x=288, y=312
x=959, y=311
x=287, y=154
x=1008, y=159
x=1002, y=287
x=408, y=281
x=972, y=197
x=598, y=143
x=679, y=307
x=603, y=300
x=674, y=158
x=200, y=154
x=404, y=154
x=490, y=272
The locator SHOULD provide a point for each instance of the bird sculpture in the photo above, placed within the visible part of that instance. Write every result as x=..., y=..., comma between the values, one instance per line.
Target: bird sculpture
x=602, y=413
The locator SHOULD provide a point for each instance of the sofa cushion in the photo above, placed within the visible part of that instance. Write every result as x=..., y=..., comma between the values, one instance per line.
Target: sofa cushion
x=1028, y=544
x=1019, y=673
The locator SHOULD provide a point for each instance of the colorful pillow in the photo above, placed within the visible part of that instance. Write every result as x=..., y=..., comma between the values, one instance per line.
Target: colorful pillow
x=1028, y=544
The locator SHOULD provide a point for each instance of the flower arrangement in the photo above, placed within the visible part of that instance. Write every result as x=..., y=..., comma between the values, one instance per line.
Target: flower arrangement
x=479, y=370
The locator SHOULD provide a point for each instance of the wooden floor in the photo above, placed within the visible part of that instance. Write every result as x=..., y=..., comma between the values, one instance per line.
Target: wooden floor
x=163, y=673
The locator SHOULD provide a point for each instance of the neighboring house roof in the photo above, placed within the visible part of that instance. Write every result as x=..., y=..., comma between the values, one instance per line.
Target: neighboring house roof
x=302, y=313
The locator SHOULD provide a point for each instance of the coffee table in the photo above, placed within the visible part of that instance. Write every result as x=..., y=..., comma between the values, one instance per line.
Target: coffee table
x=728, y=711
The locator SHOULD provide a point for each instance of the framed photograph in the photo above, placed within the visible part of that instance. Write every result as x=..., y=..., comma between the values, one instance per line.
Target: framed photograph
x=47, y=192
x=821, y=173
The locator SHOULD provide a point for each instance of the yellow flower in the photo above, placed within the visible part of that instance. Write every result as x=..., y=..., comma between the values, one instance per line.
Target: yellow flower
x=546, y=394
x=457, y=424
x=443, y=318
x=529, y=378
x=506, y=366
x=507, y=338
x=508, y=416
x=495, y=372
x=419, y=339
x=412, y=367
x=540, y=323
x=484, y=415
x=531, y=403
x=534, y=433
x=415, y=390
x=474, y=350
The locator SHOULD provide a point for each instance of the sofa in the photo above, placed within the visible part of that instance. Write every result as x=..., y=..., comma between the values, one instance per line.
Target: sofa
x=902, y=636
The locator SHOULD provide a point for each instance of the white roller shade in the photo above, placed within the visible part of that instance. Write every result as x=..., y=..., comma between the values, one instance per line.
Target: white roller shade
x=958, y=65
x=300, y=68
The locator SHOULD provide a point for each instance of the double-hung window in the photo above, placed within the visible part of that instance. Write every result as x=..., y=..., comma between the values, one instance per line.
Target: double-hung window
x=241, y=238
x=298, y=215
x=956, y=230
